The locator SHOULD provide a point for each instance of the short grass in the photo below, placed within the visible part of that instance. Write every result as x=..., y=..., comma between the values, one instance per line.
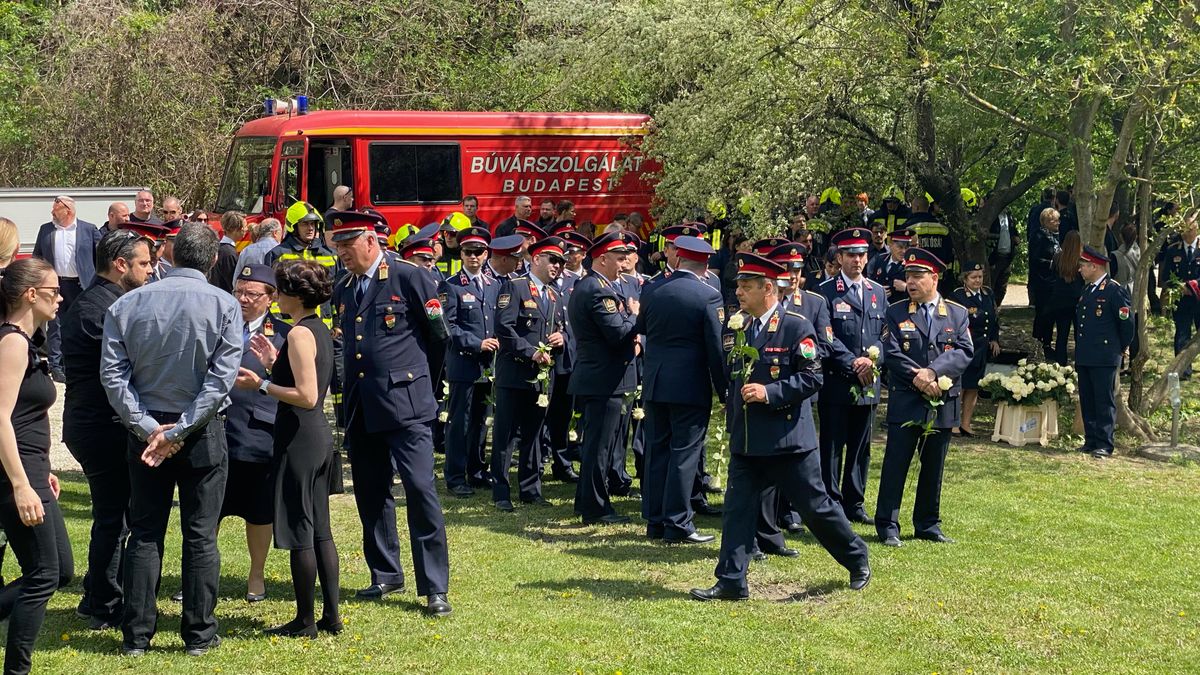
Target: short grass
x=1064, y=563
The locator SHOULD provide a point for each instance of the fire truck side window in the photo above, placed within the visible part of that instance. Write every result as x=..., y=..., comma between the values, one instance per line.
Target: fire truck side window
x=414, y=173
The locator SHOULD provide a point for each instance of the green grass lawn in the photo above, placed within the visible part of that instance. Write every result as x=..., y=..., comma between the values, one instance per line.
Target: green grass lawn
x=1064, y=563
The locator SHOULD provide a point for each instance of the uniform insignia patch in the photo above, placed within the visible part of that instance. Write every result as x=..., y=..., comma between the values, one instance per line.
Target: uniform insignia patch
x=443, y=296
x=842, y=307
x=246, y=270
x=383, y=270
x=433, y=309
x=773, y=325
x=268, y=327
x=829, y=334
x=942, y=309
x=1099, y=311
x=342, y=308
x=610, y=305
x=721, y=314
x=503, y=300
x=1123, y=313
x=774, y=372
x=529, y=304
x=972, y=310
x=467, y=297
x=389, y=320
x=808, y=348
x=907, y=325
x=905, y=345
x=727, y=342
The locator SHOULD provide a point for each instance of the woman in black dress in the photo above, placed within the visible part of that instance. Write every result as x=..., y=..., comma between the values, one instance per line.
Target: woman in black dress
x=29, y=509
x=985, y=335
x=303, y=443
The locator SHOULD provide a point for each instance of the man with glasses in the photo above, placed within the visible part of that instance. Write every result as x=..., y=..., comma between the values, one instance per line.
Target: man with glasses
x=143, y=209
x=69, y=244
x=172, y=209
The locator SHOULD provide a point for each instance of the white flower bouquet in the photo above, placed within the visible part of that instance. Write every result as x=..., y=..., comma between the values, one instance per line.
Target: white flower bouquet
x=1031, y=384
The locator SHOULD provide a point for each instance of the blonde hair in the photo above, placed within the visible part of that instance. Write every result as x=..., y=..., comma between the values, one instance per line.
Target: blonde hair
x=10, y=240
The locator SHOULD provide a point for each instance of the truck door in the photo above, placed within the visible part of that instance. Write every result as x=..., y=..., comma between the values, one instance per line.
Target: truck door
x=289, y=187
x=329, y=165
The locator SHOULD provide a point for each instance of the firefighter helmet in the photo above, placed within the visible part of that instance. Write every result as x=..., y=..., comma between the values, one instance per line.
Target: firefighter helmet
x=893, y=192
x=458, y=220
x=832, y=194
x=302, y=212
x=969, y=198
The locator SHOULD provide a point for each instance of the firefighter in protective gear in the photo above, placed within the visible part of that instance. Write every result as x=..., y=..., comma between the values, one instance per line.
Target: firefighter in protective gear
x=893, y=213
x=449, y=263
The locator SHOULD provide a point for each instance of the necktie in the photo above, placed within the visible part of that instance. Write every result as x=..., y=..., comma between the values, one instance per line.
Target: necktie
x=928, y=309
x=753, y=331
x=245, y=334
x=361, y=290
x=479, y=286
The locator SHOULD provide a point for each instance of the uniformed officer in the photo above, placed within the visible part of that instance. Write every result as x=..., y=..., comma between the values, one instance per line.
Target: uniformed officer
x=469, y=298
x=670, y=253
x=985, y=335
x=1103, y=333
x=529, y=323
x=603, y=322
x=927, y=346
x=562, y=404
x=391, y=319
x=1181, y=262
x=851, y=392
x=682, y=319
x=250, y=424
x=505, y=257
x=772, y=439
x=887, y=270
x=892, y=213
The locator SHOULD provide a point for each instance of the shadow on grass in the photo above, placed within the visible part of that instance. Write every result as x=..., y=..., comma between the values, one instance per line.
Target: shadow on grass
x=609, y=589
x=648, y=552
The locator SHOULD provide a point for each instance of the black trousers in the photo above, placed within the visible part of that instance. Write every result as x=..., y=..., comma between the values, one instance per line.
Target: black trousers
x=1001, y=267
x=519, y=422
x=902, y=443
x=601, y=420
x=619, y=480
x=1187, y=321
x=372, y=455
x=104, y=463
x=152, y=490
x=70, y=289
x=558, y=426
x=1097, y=405
x=846, y=429
x=675, y=443
x=798, y=478
x=466, y=434
x=44, y=553
x=1063, y=320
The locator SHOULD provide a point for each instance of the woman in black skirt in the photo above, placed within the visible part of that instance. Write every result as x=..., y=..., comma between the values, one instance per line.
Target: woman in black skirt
x=984, y=325
x=28, y=491
x=303, y=444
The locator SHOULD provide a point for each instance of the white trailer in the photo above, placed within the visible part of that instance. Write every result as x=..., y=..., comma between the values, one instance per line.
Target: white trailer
x=30, y=207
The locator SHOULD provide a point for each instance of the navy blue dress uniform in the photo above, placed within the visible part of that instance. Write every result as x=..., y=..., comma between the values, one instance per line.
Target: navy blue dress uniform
x=856, y=311
x=1043, y=249
x=628, y=437
x=682, y=320
x=528, y=312
x=470, y=311
x=562, y=404
x=506, y=246
x=1181, y=262
x=885, y=271
x=250, y=423
x=604, y=373
x=774, y=443
x=933, y=335
x=1103, y=331
x=391, y=321
x=984, y=325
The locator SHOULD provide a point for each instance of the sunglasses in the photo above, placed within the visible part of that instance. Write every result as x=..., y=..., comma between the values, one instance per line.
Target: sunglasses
x=472, y=251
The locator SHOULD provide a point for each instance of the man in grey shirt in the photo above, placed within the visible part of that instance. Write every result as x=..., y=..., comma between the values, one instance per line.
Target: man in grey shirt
x=267, y=235
x=171, y=352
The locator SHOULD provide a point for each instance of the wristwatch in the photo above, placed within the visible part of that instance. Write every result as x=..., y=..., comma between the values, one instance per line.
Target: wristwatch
x=262, y=386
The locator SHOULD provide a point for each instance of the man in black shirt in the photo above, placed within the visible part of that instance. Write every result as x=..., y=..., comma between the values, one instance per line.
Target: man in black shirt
x=90, y=429
x=522, y=210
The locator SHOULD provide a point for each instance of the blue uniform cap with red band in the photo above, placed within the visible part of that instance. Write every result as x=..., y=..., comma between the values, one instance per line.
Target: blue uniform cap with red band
x=261, y=273
x=920, y=260
x=611, y=242
x=562, y=227
x=417, y=246
x=528, y=229
x=575, y=241
x=751, y=266
x=972, y=266
x=474, y=235
x=789, y=255
x=683, y=230
x=346, y=225
x=902, y=236
x=693, y=248
x=1094, y=256
x=764, y=247
x=152, y=231
x=852, y=240
x=551, y=246
x=507, y=245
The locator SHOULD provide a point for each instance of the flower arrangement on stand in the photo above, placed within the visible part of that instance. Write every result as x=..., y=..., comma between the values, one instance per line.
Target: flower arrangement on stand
x=1028, y=399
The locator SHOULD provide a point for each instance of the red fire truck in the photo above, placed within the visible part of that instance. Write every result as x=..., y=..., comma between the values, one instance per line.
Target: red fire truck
x=416, y=167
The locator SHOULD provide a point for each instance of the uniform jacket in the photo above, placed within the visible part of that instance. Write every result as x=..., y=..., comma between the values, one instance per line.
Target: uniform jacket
x=471, y=319
x=857, y=325
x=813, y=307
x=682, y=321
x=291, y=248
x=566, y=285
x=86, y=238
x=388, y=338
x=604, y=336
x=909, y=343
x=250, y=417
x=981, y=313
x=1103, y=324
x=883, y=271
x=789, y=368
x=525, y=318
x=1178, y=264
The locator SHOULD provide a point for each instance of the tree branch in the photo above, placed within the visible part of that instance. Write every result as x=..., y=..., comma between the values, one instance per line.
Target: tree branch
x=989, y=107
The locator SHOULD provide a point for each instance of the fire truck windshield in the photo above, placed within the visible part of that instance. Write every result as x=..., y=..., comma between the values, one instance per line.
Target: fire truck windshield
x=247, y=179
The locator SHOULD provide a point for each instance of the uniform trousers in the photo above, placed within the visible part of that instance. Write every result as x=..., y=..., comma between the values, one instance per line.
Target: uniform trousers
x=798, y=478
x=619, y=480
x=44, y=554
x=675, y=443
x=466, y=434
x=902, y=443
x=846, y=429
x=1097, y=405
x=201, y=491
x=409, y=450
x=103, y=458
x=601, y=419
x=519, y=422
x=1187, y=322
x=556, y=436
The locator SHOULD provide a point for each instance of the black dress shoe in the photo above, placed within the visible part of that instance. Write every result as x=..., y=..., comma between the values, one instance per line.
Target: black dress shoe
x=333, y=627
x=294, y=629
x=860, y=578
x=178, y=597
x=377, y=591
x=201, y=650
x=758, y=556
x=437, y=605
x=462, y=491
x=1084, y=449
x=537, y=501
x=794, y=528
x=482, y=483
x=783, y=552
x=706, y=510
x=505, y=506
x=101, y=623
x=937, y=538
x=693, y=538
x=709, y=489
x=566, y=476
x=607, y=519
x=717, y=592
x=133, y=652
x=654, y=532
x=862, y=517
x=894, y=542
x=1101, y=454
x=256, y=597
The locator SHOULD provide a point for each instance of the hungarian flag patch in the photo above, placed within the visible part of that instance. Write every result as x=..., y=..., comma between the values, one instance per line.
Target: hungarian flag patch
x=808, y=348
x=433, y=309
x=1123, y=313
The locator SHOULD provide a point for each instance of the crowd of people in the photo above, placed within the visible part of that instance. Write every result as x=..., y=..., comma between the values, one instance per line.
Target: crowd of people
x=198, y=355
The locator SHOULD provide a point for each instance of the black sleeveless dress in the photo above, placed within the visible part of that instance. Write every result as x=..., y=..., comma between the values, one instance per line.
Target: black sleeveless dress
x=31, y=421
x=303, y=452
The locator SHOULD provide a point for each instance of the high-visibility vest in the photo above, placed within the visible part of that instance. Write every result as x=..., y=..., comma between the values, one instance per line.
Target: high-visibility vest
x=326, y=260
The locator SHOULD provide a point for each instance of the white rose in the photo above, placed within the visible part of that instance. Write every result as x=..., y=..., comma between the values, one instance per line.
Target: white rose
x=944, y=383
x=572, y=436
x=1070, y=387
x=737, y=322
x=638, y=413
x=873, y=352
x=445, y=389
x=1060, y=380
x=543, y=375
x=443, y=416
x=1022, y=362
x=1017, y=396
x=543, y=401
x=489, y=421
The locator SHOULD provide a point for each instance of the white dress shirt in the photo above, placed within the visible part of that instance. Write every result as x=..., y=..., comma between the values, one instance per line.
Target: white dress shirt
x=64, y=249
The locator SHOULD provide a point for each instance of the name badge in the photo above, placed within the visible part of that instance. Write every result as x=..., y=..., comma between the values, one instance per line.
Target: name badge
x=842, y=307
x=907, y=325
x=467, y=297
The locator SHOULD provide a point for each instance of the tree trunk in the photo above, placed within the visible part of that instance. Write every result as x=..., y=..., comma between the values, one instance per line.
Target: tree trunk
x=1141, y=277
